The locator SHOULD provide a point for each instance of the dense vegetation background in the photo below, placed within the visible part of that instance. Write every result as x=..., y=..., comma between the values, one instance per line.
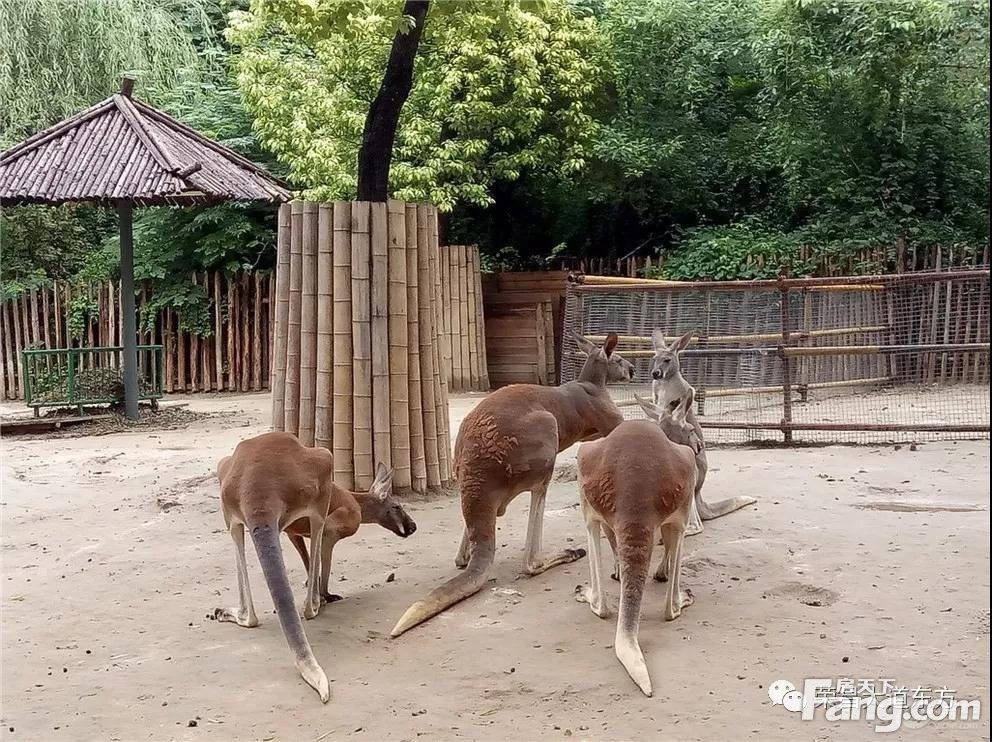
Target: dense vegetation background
x=707, y=130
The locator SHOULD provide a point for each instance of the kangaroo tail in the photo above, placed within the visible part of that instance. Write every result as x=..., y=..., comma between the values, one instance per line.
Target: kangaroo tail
x=457, y=588
x=266, y=540
x=709, y=511
x=634, y=544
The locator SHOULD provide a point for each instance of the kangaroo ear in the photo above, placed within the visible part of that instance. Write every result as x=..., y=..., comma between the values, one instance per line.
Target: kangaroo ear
x=650, y=408
x=611, y=343
x=683, y=341
x=584, y=345
x=658, y=340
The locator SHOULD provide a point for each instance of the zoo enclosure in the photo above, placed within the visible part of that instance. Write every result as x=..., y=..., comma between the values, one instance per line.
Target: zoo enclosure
x=852, y=359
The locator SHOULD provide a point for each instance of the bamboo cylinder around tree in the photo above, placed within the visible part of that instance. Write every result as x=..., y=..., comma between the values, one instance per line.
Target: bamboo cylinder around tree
x=426, y=344
x=344, y=468
x=323, y=422
x=399, y=360
x=418, y=462
x=308, y=325
x=440, y=377
x=380, y=336
x=292, y=405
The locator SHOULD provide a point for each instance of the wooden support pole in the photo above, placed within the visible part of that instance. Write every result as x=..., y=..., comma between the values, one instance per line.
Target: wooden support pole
x=399, y=358
x=381, y=434
x=324, y=421
x=361, y=330
x=279, y=375
x=481, y=324
x=786, y=365
x=128, y=325
x=308, y=325
x=440, y=379
x=344, y=466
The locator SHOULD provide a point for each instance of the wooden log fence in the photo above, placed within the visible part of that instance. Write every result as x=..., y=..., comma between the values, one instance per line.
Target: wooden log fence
x=371, y=381
x=463, y=342
x=231, y=355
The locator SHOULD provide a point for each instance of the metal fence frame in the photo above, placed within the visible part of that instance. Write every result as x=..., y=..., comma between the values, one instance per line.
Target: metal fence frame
x=787, y=348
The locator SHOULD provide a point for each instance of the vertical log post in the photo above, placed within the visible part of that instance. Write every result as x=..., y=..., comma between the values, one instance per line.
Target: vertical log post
x=426, y=344
x=399, y=359
x=418, y=463
x=308, y=325
x=324, y=422
x=128, y=326
x=361, y=330
x=381, y=447
x=281, y=322
x=292, y=406
x=344, y=468
x=786, y=361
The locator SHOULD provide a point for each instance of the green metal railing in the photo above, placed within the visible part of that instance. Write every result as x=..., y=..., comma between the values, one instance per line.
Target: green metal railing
x=76, y=377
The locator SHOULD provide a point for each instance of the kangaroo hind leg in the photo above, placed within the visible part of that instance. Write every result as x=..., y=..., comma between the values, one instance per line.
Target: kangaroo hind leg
x=245, y=615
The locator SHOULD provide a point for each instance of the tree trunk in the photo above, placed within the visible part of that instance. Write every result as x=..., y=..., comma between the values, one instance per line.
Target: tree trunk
x=376, y=153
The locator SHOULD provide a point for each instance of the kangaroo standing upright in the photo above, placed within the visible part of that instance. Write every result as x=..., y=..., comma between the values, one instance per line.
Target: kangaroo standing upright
x=634, y=483
x=508, y=445
x=270, y=482
x=669, y=390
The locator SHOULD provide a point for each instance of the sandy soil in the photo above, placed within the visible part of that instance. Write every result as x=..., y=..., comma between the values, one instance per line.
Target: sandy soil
x=860, y=562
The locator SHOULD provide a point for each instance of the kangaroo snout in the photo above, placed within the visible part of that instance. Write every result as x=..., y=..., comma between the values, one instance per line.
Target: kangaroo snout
x=656, y=373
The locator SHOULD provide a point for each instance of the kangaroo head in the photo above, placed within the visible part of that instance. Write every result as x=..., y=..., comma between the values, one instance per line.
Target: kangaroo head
x=665, y=364
x=673, y=422
x=603, y=365
x=380, y=507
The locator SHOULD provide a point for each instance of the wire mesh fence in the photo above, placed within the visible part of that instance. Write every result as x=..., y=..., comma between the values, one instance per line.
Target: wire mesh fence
x=900, y=357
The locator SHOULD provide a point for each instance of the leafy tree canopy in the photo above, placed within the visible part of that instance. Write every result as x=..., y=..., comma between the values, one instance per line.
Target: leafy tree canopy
x=496, y=94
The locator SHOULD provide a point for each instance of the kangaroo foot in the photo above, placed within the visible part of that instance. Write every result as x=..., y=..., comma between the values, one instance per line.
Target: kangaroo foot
x=241, y=619
x=600, y=608
x=563, y=557
x=329, y=598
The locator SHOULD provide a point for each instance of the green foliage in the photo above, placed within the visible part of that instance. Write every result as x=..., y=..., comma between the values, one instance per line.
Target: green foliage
x=495, y=94
x=61, y=56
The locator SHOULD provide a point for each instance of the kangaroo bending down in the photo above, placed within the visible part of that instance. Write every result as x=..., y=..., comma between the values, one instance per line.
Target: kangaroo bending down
x=270, y=482
x=347, y=511
x=669, y=390
x=508, y=445
x=633, y=484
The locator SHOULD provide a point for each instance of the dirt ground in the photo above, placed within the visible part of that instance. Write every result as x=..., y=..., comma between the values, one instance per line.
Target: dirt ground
x=857, y=562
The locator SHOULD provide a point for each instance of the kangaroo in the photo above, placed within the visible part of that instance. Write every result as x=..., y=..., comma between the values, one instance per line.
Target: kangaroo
x=348, y=510
x=632, y=484
x=270, y=482
x=508, y=445
x=670, y=389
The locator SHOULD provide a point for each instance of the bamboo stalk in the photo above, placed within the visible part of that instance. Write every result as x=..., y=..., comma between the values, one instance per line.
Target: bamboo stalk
x=280, y=337
x=57, y=312
x=361, y=330
x=194, y=355
x=206, y=344
x=170, y=352
x=180, y=354
x=445, y=266
x=426, y=341
x=457, y=363
x=470, y=379
x=381, y=434
x=344, y=467
x=232, y=332
x=256, y=345
x=399, y=359
x=418, y=460
x=277, y=400
x=324, y=421
x=308, y=325
x=440, y=378
x=268, y=325
x=10, y=355
x=4, y=360
x=481, y=325
x=243, y=315
x=293, y=337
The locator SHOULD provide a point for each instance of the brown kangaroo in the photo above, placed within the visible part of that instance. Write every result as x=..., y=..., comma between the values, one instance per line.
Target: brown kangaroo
x=269, y=482
x=348, y=510
x=508, y=445
x=634, y=483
